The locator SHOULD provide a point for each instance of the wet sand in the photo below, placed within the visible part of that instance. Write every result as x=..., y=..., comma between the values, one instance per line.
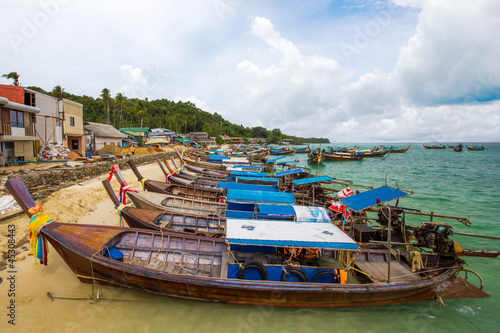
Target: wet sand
x=85, y=203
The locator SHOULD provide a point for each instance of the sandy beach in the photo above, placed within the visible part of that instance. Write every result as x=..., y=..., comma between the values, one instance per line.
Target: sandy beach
x=85, y=203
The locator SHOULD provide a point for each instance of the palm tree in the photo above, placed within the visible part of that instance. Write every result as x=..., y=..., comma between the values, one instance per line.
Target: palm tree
x=14, y=76
x=119, y=102
x=140, y=109
x=58, y=92
x=105, y=94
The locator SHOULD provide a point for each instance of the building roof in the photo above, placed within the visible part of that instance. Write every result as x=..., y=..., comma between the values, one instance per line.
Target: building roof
x=134, y=129
x=104, y=130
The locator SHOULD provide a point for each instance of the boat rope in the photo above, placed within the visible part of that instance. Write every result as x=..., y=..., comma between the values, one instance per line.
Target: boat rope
x=38, y=242
x=96, y=287
x=143, y=183
x=155, y=256
x=471, y=271
x=439, y=300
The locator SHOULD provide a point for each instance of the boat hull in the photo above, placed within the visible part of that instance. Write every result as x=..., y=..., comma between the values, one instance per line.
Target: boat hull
x=88, y=265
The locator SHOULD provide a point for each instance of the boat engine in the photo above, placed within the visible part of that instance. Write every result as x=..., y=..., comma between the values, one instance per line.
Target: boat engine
x=435, y=235
x=383, y=217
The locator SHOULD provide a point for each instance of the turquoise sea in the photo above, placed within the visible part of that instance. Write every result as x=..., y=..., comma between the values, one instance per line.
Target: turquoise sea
x=443, y=181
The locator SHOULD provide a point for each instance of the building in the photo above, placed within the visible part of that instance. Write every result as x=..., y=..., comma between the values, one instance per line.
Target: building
x=49, y=121
x=99, y=135
x=17, y=131
x=73, y=135
x=138, y=134
x=236, y=141
x=200, y=137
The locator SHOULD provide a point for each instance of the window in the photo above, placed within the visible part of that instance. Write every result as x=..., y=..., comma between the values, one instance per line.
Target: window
x=75, y=144
x=16, y=118
x=72, y=121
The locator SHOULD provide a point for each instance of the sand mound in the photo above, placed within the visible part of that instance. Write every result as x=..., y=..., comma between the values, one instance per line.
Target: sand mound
x=109, y=149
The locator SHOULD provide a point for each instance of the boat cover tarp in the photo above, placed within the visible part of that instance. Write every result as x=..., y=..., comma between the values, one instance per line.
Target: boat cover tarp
x=254, y=167
x=312, y=180
x=287, y=234
x=257, y=180
x=373, y=197
x=300, y=213
x=247, y=174
x=286, y=162
x=238, y=214
x=288, y=172
x=246, y=187
x=260, y=196
x=274, y=159
x=218, y=157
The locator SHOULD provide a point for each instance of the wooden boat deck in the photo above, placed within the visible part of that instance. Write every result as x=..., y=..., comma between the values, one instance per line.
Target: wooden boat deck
x=171, y=254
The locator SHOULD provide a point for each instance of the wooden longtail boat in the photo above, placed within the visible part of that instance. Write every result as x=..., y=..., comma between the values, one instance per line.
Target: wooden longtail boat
x=187, y=191
x=202, y=268
x=158, y=220
x=393, y=150
x=188, y=174
x=160, y=201
x=434, y=147
x=478, y=147
x=342, y=157
x=458, y=148
x=374, y=153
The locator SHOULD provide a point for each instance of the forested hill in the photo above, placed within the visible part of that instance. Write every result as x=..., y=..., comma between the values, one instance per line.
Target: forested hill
x=182, y=117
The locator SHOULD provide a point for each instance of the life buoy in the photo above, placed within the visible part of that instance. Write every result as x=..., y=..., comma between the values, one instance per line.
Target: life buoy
x=252, y=264
x=336, y=276
x=295, y=271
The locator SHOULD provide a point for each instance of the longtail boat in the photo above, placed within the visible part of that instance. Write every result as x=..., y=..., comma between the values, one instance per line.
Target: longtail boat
x=434, y=147
x=342, y=157
x=477, y=147
x=201, y=193
x=166, y=219
x=232, y=271
x=458, y=148
x=160, y=201
x=394, y=150
x=374, y=153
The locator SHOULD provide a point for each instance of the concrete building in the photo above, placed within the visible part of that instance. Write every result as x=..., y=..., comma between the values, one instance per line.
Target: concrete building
x=17, y=131
x=73, y=135
x=49, y=121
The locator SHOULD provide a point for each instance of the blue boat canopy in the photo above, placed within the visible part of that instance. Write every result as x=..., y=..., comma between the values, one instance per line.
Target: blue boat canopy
x=281, y=233
x=300, y=213
x=312, y=180
x=274, y=159
x=247, y=174
x=286, y=162
x=364, y=200
x=288, y=172
x=260, y=196
x=246, y=187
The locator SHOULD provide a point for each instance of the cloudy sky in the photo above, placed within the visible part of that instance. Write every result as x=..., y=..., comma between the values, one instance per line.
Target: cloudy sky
x=352, y=71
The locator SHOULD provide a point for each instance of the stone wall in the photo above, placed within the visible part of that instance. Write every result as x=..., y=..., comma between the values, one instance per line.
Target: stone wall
x=42, y=183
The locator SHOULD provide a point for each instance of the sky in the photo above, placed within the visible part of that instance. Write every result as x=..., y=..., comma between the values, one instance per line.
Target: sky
x=350, y=71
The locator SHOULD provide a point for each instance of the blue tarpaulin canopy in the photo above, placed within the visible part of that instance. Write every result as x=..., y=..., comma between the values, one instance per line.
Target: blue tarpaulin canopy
x=288, y=172
x=372, y=198
x=274, y=159
x=257, y=180
x=260, y=196
x=312, y=180
x=247, y=187
x=218, y=157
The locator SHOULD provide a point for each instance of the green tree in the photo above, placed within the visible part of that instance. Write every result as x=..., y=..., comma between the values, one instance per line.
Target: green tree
x=140, y=110
x=58, y=92
x=119, y=102
x=105, y=94
x=14, y=76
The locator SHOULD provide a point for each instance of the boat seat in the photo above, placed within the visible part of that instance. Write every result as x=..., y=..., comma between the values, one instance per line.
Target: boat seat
x=378, y=271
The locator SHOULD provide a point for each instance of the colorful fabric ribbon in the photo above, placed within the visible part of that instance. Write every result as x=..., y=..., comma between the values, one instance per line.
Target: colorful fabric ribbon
x=38, y=242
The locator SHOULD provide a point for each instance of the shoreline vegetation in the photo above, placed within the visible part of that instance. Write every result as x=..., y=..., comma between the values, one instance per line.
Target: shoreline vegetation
x=181, y=117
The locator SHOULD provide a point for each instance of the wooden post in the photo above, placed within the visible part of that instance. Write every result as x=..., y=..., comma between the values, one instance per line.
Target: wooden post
x=389, y=245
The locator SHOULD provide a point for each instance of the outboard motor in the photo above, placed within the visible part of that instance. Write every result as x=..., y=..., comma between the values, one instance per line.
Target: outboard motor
x=435, y=235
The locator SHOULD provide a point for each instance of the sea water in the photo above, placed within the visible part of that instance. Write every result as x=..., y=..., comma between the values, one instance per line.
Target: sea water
x=443, y=181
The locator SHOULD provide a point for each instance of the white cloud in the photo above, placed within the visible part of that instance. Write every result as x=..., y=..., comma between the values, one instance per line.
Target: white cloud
x=137, y=84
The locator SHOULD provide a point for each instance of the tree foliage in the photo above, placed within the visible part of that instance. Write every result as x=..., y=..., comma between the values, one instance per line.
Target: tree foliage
x=181, y=117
